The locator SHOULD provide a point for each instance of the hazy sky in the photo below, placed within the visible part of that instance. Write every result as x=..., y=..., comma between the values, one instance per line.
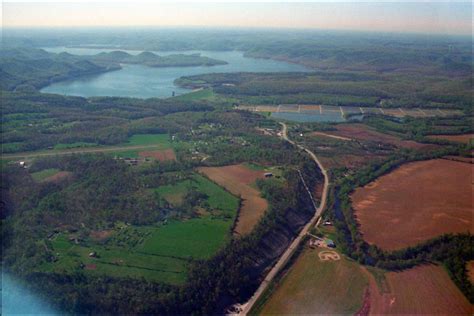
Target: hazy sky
x=402, y=16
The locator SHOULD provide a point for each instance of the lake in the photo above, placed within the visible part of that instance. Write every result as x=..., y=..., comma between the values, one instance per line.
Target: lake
x=145, y=82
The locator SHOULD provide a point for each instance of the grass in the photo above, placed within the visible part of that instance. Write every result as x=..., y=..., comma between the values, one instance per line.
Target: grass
x=43, y=174
x=218, y=198
x=315, y=287
x=196, y=238
x=161, y=140
x=159, y=252
x=114, y=261
x=74, y=145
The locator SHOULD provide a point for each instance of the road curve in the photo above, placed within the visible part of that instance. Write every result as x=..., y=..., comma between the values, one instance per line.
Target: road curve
x=247, y=307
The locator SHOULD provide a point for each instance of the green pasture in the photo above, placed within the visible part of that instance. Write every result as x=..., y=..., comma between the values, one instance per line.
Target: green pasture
x=43, y=174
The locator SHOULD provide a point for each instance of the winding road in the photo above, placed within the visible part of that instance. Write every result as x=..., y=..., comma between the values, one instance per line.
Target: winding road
x=247, y=307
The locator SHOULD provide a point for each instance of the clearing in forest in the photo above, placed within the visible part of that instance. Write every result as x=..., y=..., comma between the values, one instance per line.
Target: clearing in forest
x=160, y=155
x=238, y=179
x=416, y=202
x=421, y=290
x=313, y=287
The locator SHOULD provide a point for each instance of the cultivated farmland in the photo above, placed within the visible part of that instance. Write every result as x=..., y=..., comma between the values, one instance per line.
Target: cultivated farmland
x=424, y=290
x=416, y=202
x=312, y=286
x=160, y=155
x=238, y=180
x=364, y=133
x=464, y=138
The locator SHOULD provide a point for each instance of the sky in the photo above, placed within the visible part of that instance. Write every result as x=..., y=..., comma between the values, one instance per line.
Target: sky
x=420, y=17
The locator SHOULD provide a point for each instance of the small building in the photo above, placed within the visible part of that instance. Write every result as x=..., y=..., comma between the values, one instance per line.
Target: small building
x=22, y=164
x=327, y=223
x=268, y=174
x=330, y=243
x=93, y=254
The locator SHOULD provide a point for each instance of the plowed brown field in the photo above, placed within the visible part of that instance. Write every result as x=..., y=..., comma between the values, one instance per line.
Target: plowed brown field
x=416, y=202
x=161, y=155
x=238, y=179
x=424, y=290
x=465, y=138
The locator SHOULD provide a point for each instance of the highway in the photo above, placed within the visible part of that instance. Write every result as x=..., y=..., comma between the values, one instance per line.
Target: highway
x=247, y=307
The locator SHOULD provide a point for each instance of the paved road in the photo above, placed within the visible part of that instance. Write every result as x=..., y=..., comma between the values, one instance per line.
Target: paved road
x=76, y=151
x=294, y=245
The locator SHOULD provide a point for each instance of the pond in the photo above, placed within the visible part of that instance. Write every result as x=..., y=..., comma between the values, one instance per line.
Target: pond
x=146, y=82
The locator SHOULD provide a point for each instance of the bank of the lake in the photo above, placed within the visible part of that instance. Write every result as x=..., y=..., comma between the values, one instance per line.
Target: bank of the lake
x=145, y=82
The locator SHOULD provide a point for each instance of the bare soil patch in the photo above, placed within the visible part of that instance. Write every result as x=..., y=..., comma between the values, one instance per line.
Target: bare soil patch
x=464, y=138
x=100, y=235
x=90, y=266
x=58, y=177
x=417, y=201
x=331, y=136
x=160, y=155
x=424, y=290
x=238, y=179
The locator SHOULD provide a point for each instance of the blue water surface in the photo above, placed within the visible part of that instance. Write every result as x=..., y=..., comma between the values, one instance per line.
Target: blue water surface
x=145, y=82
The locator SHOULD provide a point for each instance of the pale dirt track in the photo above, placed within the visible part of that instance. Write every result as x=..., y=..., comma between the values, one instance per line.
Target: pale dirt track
x=247, y=307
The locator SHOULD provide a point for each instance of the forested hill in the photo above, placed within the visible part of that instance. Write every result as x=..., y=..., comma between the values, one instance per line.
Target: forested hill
x=30, y=68
x=329, y=50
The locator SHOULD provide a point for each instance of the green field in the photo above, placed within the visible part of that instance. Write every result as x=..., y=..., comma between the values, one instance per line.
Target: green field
x=218, y=198
x=160, y=252
x=161, y=140
x=115, y=261
x=196, y=238
x=314, y=287
x=43, y=174
x=75, y=145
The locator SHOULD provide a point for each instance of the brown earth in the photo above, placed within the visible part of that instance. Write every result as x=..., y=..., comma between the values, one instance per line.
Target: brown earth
x=424, y=290
x=464, y=138
x=58, y=177
x=364, y=133
x=237, y=179
x=416, y=202
x=470, y=271
x=100, y=234
x=161, y=155
x=90, y=266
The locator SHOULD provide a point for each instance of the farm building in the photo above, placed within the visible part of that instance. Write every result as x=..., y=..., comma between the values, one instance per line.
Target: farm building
x=268, y=174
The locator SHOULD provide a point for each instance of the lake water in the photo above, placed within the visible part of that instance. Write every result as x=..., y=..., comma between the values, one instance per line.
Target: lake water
x=305, y=117
x=146, y=82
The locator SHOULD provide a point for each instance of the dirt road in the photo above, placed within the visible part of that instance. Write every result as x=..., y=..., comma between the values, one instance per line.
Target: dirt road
x=247, y=307
x=75, y=151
